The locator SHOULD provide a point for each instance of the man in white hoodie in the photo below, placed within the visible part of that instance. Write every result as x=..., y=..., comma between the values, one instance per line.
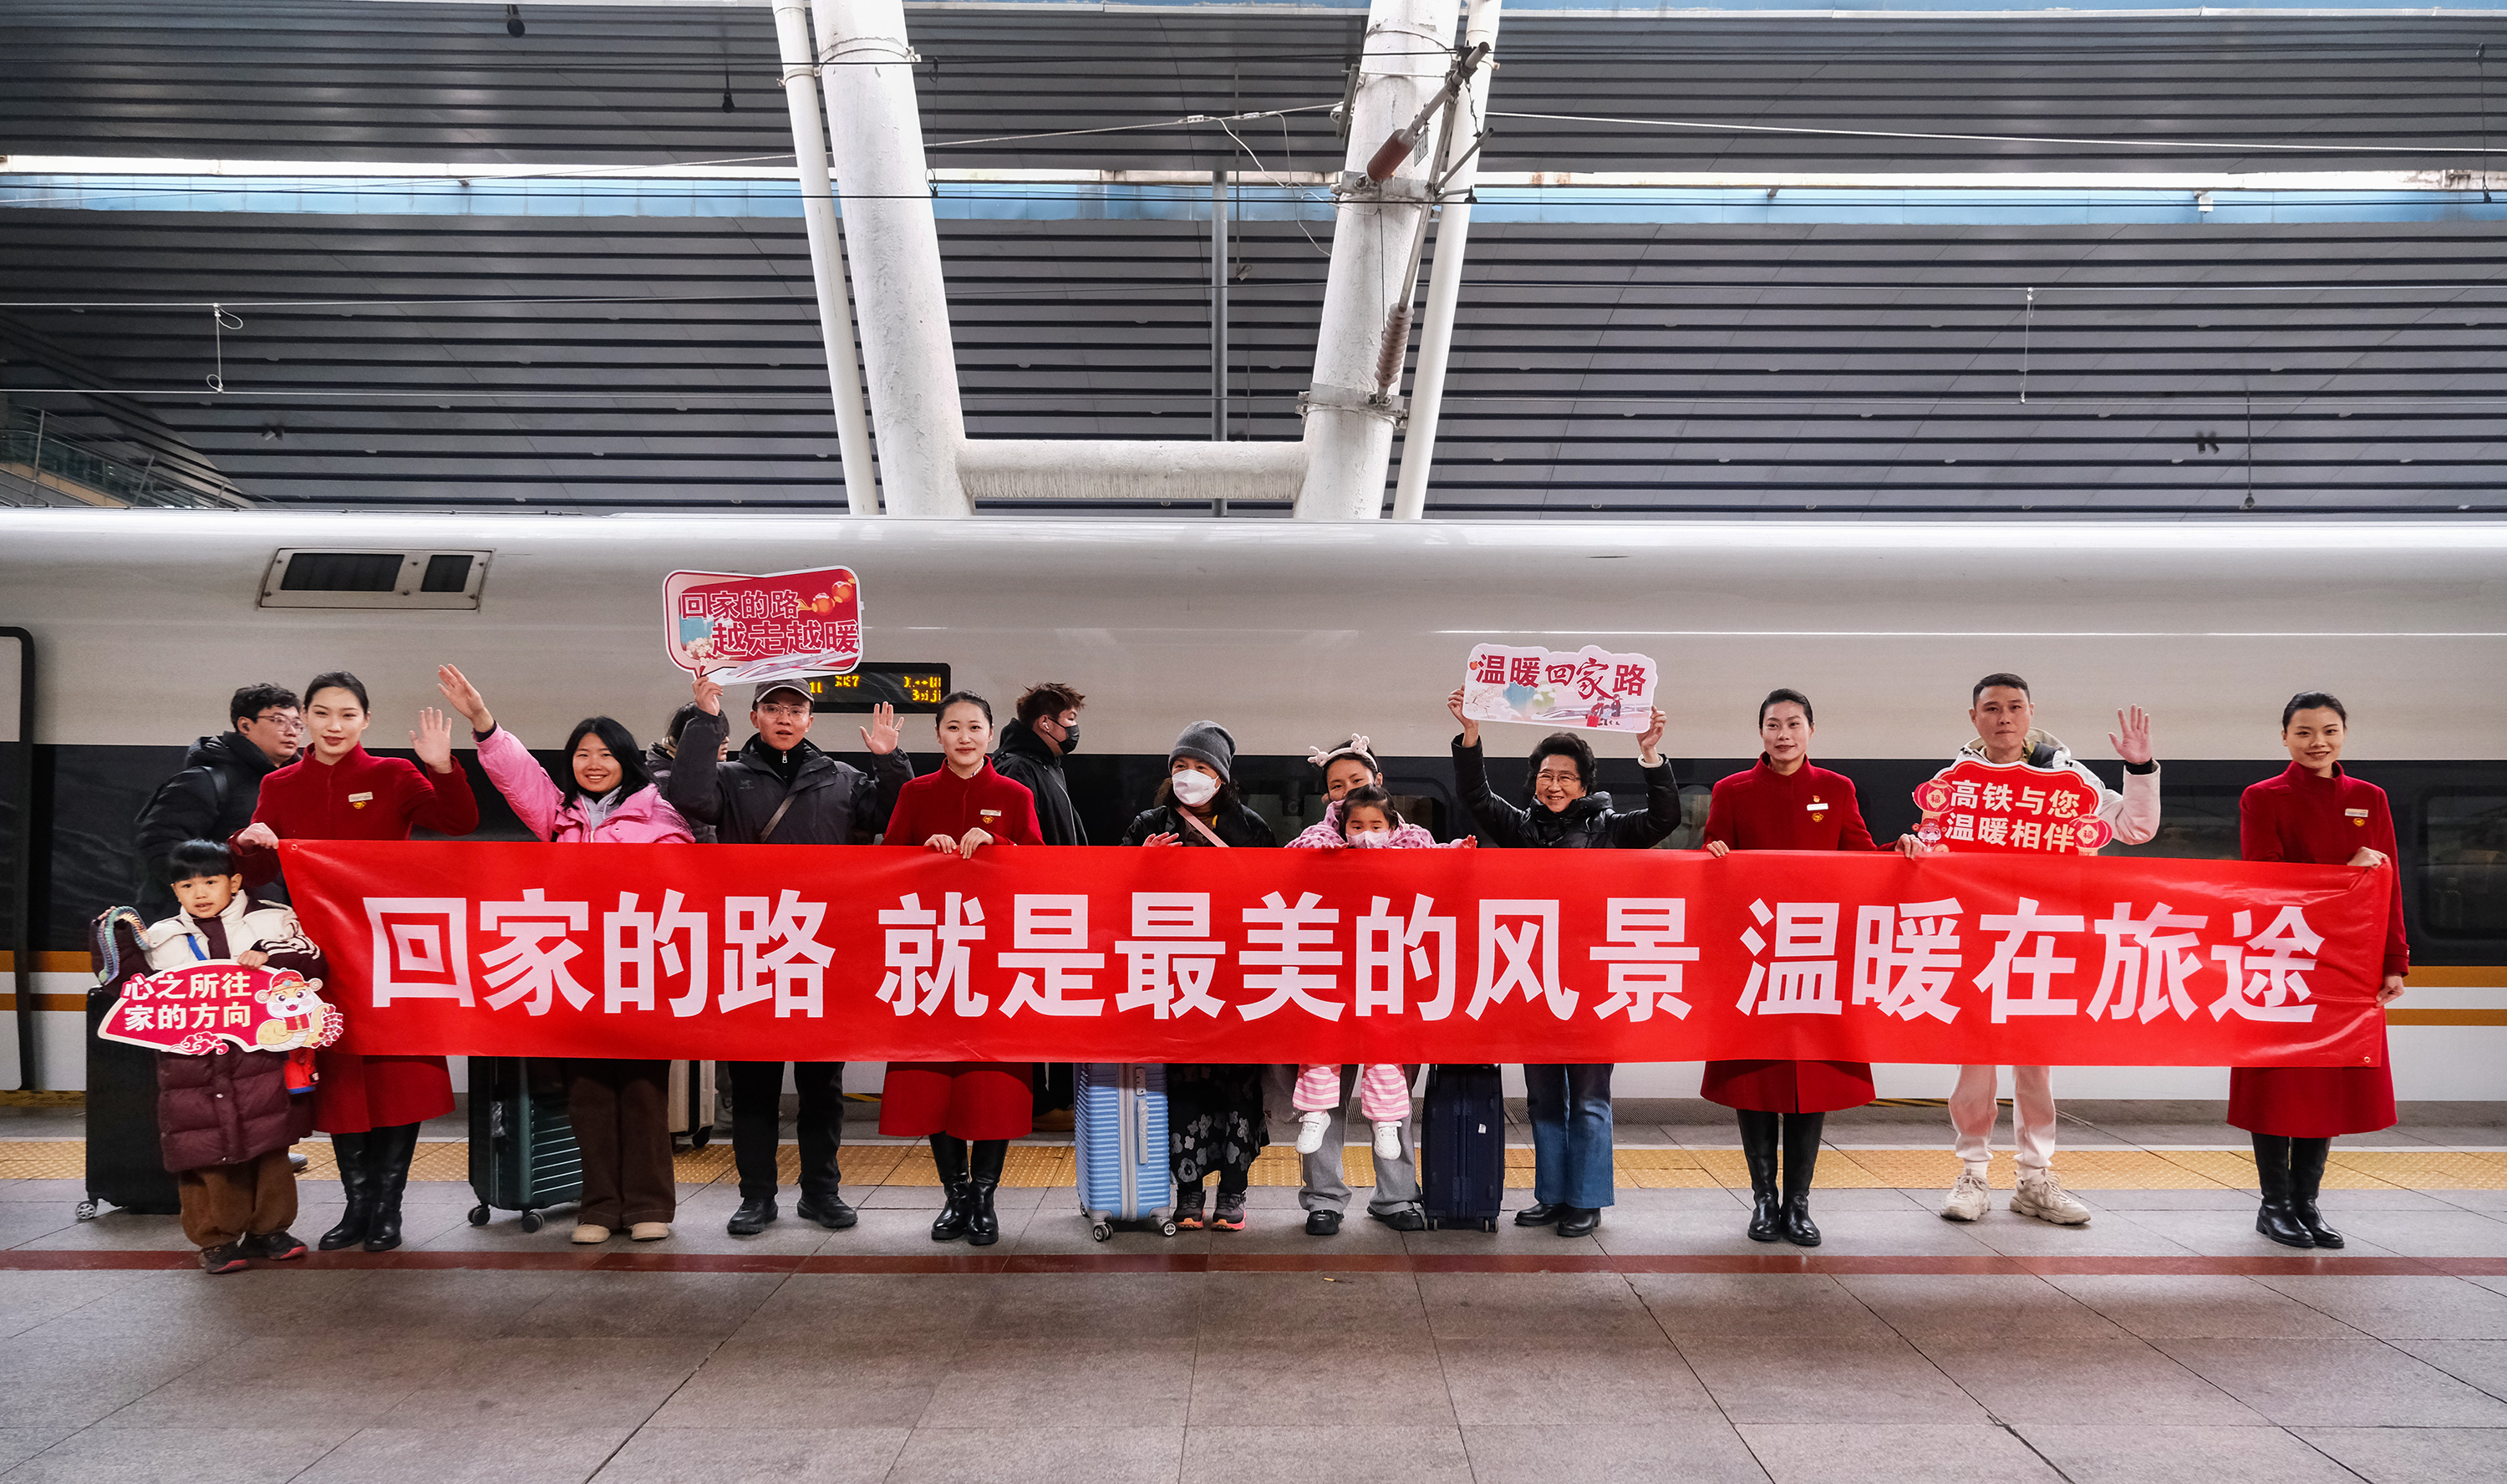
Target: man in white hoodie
x=2006, y=732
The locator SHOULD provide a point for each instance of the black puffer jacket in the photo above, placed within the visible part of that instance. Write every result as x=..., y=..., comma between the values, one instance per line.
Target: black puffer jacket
x=210, y=799
x=1240, y=827
x=1023, y=757
x=833, y=803
x=1587, y=824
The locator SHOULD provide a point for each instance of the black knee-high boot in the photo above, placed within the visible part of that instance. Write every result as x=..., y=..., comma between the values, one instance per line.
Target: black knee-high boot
x=2278, y=1219
x=1802, y=1160
x=1759, y=1140
x=949, y=1152
x=357, y=1180
x=2305, y=1179
x=983, y=1178
x=388, y=1153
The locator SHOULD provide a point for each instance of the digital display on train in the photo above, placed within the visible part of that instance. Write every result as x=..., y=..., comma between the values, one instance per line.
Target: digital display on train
x=913, y=689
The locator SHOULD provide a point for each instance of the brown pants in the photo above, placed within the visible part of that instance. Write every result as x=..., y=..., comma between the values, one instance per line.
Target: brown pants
x=622, y=1122
x=222, y=1203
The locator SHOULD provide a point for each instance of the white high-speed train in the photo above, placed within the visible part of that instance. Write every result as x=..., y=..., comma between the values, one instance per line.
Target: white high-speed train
x=1295, y=634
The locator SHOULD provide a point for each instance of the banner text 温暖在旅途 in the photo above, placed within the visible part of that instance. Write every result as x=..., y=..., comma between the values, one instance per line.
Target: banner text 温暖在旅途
x=863, y=952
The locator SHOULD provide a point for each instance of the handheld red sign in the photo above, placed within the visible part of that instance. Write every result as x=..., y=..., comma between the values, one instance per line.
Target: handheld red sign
x=194, y=1009
x=770, y=628
x=1974, y=804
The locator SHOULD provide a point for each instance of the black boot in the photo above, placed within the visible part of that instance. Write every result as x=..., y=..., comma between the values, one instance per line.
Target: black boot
x=1759, y=1142
x=387, y=1156
x=2305, y=1179
x=357, y=1179
x=983, y=1177
x=949, y=1152
x=1802, y=1160
x=2277, y=1219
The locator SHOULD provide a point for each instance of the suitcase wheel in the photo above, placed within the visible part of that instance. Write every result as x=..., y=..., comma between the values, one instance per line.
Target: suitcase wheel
x=1489, y=1225
x=1434, y=1223
x=1167, y=1228
x=533, y=1221
x=478, y=1215
x=697, y=1139
x=1101, y=1231
x=85, y=1210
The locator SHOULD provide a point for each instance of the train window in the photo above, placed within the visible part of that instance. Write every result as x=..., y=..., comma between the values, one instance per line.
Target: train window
x=2462, y=869
x=2196, y=823
x=374, y=579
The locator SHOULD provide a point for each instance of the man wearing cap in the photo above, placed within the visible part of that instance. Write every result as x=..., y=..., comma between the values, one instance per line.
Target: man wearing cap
x=781, y=789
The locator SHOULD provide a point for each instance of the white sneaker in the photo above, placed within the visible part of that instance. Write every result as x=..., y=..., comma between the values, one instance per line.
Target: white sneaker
x=1310, y=1130
x=2044, y=1197
x=1388, y=1141
x=1969, y=1199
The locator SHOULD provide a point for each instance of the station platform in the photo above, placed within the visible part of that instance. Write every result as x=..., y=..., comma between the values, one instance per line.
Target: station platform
x=2163, y=1341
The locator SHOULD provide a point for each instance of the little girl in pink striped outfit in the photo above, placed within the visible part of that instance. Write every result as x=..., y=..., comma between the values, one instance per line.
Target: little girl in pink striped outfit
x=1365, y=819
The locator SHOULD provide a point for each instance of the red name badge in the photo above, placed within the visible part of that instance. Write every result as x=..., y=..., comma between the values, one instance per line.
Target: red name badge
x=1974, y=804
x=200, y=1008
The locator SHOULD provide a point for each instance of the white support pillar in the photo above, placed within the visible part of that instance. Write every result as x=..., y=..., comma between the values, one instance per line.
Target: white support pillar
x=1349, y=422
x=1445, y=277
x=866, y=72
x=827, y=255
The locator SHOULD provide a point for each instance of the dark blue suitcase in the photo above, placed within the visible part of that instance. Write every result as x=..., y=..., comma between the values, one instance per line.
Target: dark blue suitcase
x=1462, y=1148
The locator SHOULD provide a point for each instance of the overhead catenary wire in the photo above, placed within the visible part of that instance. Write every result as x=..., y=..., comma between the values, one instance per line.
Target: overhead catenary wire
x=1718, y=125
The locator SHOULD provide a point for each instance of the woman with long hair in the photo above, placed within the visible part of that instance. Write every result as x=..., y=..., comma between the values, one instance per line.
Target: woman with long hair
x=620, y=1108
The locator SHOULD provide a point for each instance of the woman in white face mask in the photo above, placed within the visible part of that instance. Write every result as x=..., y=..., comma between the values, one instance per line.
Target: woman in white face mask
x=1214, y=1111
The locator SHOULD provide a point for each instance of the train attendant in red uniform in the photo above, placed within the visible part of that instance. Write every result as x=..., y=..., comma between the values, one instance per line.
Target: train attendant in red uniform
x=1785, y=804
x=2318, y=813
x=970, y=1111
x=371, y=1107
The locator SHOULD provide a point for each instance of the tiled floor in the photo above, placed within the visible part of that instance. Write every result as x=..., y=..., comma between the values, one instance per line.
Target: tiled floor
x=2164, y=1342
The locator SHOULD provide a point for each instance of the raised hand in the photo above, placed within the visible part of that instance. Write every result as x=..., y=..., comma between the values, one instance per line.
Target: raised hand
x=464, y=698
x=1470, y=727
x=881, y=736
x=2134, y=743
x=1650, y=740
x=433, y=740
x=708, y=694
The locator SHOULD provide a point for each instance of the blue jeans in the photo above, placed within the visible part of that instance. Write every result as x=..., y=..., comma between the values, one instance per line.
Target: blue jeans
x=1571, y=1133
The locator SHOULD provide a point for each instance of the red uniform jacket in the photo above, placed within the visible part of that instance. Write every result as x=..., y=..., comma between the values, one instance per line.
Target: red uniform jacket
x=1811, y=809
x=2299, y=817
x=945, y=804
x=970, y=1100
x=364, y=797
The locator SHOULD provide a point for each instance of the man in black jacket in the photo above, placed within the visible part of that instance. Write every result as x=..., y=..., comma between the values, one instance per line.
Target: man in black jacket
x=218, y=788
x=780, y=789
x=1031, y=754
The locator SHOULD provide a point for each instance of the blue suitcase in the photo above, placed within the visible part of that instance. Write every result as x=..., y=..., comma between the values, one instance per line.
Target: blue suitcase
x=1462, y=1148
x=1120, y=1123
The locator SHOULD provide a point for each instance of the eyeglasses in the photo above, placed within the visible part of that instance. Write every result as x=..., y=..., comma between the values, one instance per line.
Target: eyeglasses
x=1544, y=775
x=783, y=713
x=285, y=721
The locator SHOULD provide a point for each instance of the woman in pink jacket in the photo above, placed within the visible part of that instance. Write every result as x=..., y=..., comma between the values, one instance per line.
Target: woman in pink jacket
x=620, y=1108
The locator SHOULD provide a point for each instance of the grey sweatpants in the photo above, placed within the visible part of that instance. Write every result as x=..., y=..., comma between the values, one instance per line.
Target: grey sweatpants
x=1396, y=1181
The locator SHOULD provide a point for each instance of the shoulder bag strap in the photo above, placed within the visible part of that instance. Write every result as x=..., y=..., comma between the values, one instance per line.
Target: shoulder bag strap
x=776, y=818
x=1207, y=833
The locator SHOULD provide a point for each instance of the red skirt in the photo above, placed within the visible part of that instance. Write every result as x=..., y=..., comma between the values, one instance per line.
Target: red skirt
x=1787, y=1087
x=970, y=1099
x=357, y=1094
x=2310, y=1102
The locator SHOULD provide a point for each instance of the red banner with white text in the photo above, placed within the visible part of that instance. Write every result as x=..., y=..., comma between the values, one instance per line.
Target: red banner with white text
x=834, y=953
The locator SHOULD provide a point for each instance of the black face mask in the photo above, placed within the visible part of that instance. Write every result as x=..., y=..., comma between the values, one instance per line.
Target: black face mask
x=1069, y=741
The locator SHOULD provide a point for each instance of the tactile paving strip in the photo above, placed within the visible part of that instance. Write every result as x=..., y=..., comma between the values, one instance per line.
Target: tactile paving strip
x=1050, y=1165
